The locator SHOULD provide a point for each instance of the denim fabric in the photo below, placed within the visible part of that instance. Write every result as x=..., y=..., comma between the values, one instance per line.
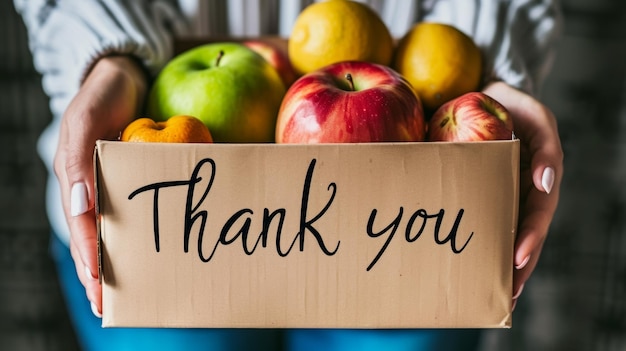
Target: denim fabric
x=92, y=336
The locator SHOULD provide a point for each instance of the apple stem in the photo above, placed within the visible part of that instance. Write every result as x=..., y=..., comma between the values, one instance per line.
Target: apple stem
x=219, y=58
x=349, y=79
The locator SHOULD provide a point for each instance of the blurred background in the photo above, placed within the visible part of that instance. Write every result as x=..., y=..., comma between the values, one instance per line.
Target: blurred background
x=576, y=299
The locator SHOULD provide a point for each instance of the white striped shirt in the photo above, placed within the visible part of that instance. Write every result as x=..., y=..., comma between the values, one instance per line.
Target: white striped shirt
x=67, y=36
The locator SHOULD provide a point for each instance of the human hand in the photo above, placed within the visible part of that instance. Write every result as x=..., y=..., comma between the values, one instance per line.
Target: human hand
x=110, y=97
x=541, y=170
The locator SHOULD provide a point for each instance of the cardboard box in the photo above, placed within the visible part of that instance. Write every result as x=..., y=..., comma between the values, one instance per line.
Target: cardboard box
x=393, y=235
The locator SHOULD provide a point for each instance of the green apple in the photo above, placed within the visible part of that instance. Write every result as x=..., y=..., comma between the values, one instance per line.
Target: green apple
x=231, y=88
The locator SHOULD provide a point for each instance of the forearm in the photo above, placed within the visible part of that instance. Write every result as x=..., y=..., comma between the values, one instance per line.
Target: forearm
x=67, y=38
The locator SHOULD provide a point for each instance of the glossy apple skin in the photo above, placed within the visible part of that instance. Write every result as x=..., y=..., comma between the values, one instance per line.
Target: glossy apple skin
x=473, y=116
x=237, y=99
x=276, y=57
x=321, y=107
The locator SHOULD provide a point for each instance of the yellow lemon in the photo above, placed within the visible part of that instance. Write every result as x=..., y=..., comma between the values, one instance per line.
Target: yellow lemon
x=440, y=61
x=338, y=30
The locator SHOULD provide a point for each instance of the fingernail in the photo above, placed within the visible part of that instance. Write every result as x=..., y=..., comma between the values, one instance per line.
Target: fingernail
x=519, y=292
x=524, y=263
x=78, y=199
x=95, y=311
x=547, y=179
x=90, y=275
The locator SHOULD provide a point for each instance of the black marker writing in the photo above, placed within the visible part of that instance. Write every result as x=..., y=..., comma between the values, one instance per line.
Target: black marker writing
x=243, y=217
x=410, y=237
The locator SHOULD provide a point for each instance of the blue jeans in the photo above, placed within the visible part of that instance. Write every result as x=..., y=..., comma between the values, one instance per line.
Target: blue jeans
x=92, y=336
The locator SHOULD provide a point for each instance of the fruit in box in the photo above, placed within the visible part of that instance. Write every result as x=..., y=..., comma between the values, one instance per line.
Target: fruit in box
x=177, y=129
x=338, y=30
x=474, y=116
x=350, y=102
x=231, y=88
x=276, y=57
x=439, y=61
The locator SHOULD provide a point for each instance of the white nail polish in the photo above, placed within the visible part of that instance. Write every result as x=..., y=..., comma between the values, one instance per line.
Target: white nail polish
x=519, y=292
x=78, y=199
x=95, y=311
x=547, y=179
x=524, y=263
x=89, y=275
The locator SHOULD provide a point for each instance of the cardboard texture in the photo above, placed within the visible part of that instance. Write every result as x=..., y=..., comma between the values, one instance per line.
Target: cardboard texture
x=408, y=235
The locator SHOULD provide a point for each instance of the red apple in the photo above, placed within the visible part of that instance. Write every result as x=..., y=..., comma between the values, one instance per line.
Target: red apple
x=350, y=102
x=473, y=116
x=276, y=57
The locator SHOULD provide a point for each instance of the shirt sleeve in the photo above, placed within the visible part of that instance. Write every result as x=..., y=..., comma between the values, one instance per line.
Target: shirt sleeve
x=517, y=37
x=67, y=37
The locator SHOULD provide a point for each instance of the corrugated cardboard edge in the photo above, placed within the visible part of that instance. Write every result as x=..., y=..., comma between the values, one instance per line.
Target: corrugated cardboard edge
x=96, y=168
x=507, y=322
